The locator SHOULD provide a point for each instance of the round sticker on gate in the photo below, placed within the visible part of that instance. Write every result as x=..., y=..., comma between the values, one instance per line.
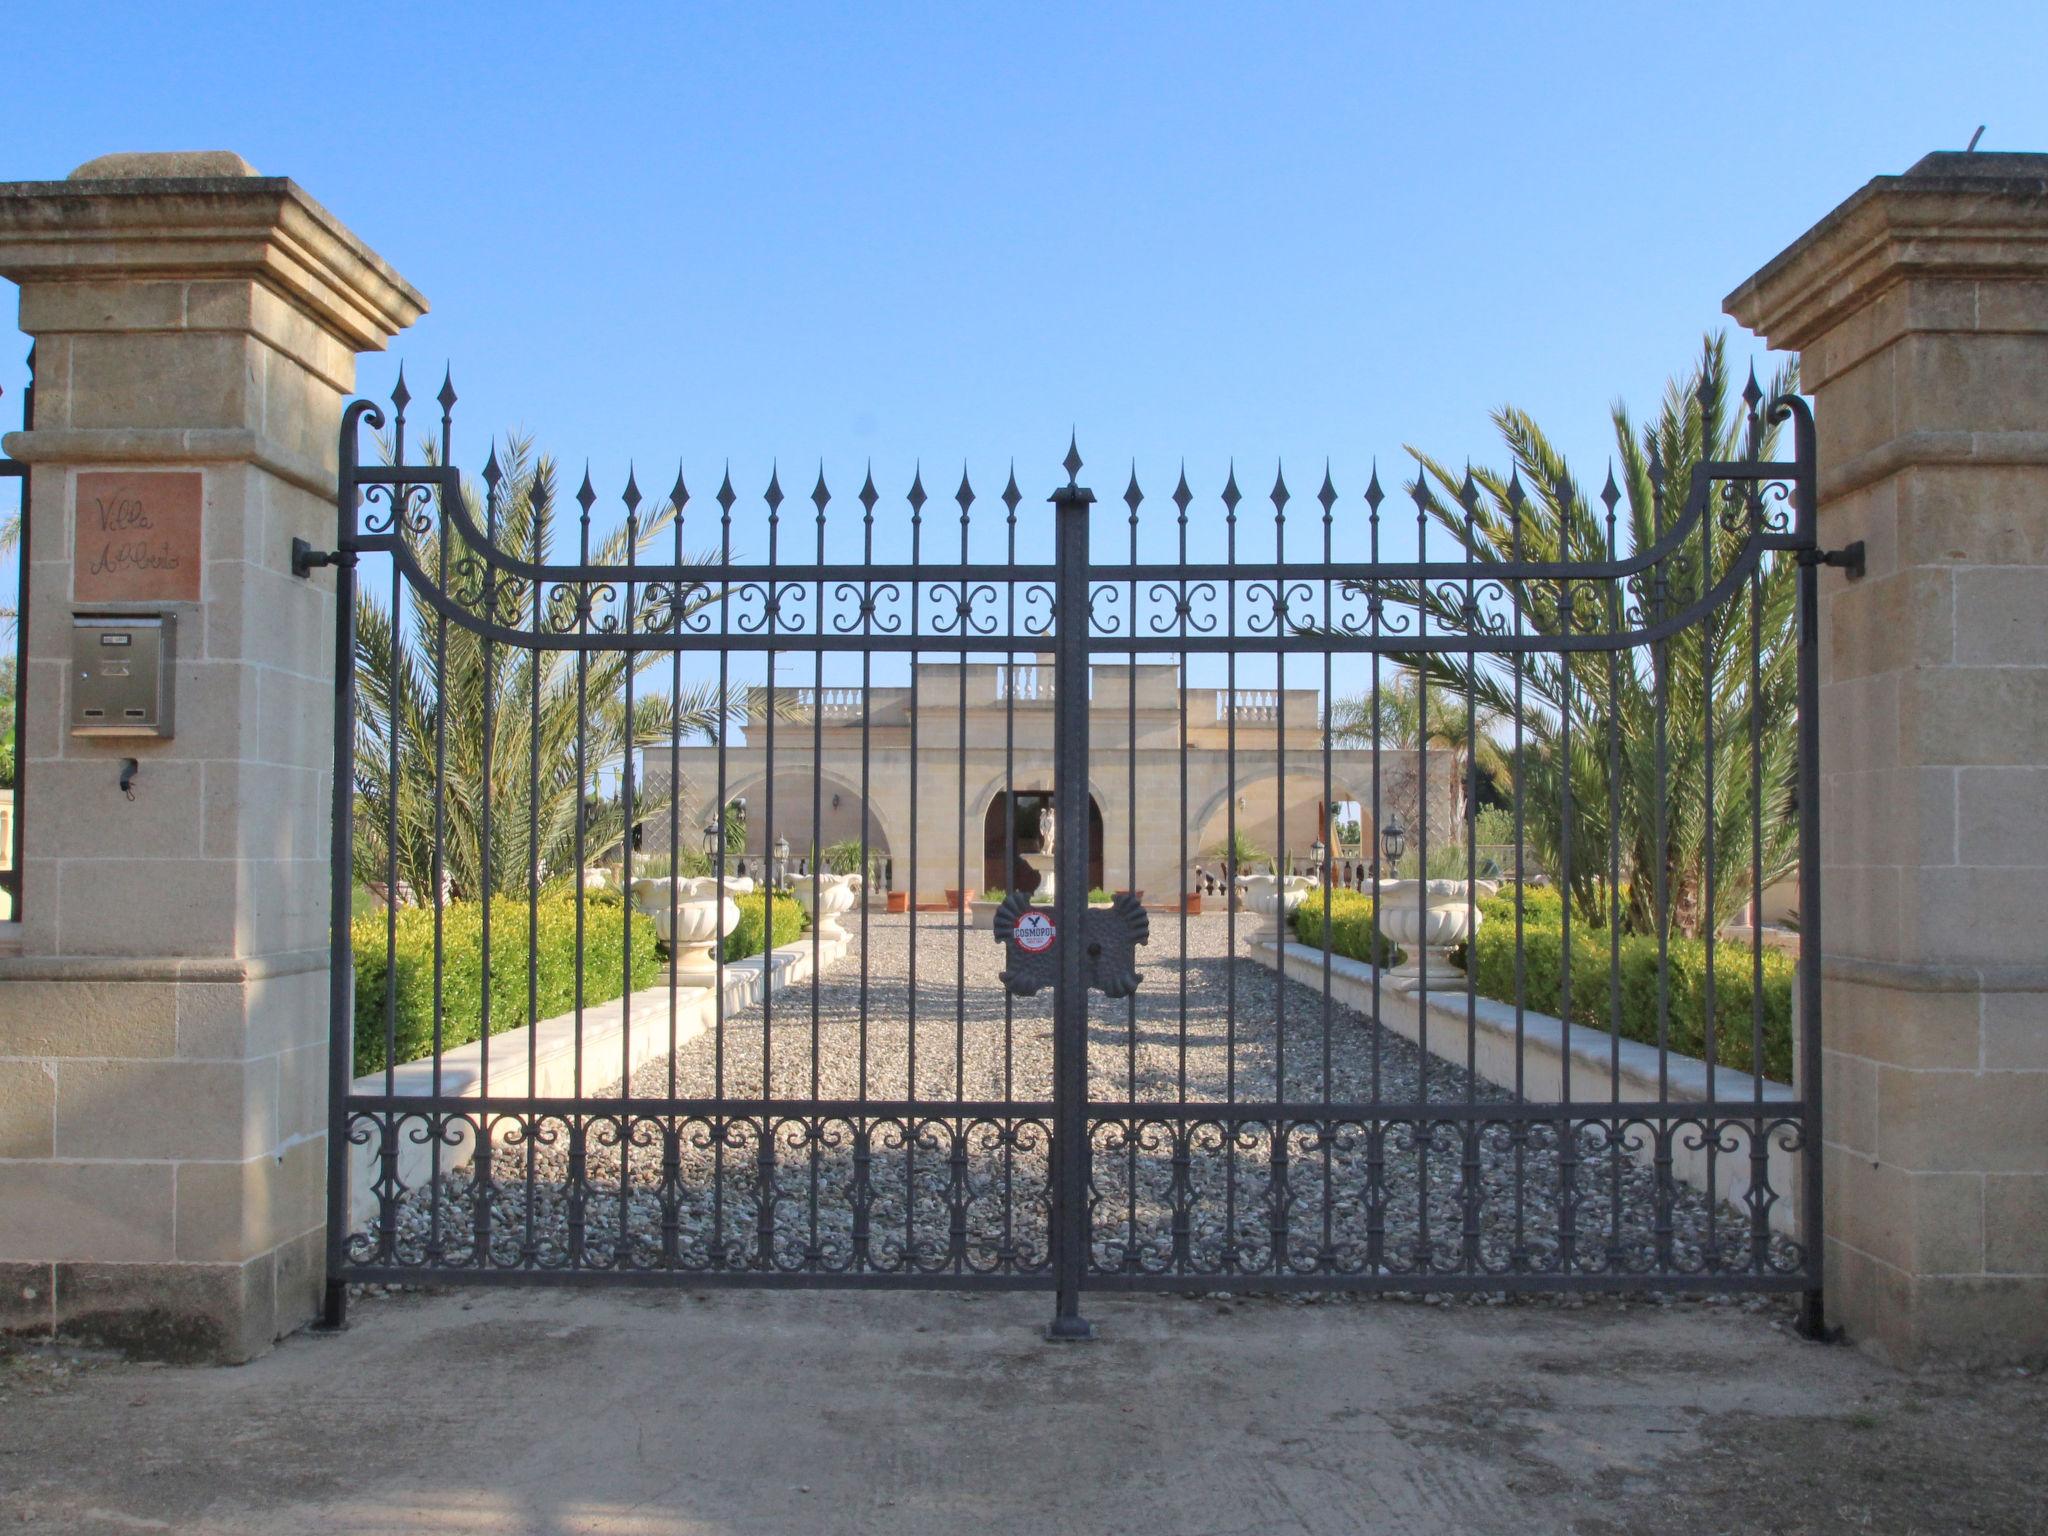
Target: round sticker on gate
x=1034, y=933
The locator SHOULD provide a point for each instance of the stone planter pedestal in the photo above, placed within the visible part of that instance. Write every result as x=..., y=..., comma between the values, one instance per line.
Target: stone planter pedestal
x=1274, y=897
x=823, y=903
x=692, y=925
x=1428, y=919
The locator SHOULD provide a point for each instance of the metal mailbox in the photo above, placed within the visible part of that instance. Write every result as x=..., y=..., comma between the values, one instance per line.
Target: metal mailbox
x=121, y=675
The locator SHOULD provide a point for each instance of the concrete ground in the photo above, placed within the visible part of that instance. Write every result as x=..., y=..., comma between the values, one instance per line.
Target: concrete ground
x=659, y=1414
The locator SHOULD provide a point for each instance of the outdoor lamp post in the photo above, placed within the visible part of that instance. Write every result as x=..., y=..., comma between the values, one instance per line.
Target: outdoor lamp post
x=710, y=835
x=1316, y=854
x=1393, y=841
x=781, y=860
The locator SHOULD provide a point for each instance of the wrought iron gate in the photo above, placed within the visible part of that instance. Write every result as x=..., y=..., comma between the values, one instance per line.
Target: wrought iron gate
x=527, y=1087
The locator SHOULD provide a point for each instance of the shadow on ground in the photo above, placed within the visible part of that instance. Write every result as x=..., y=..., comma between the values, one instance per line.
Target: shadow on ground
x=541, y=1413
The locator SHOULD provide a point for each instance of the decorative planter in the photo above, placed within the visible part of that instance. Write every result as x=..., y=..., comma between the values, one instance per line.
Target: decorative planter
x=1140, y=895
x=1192, y=903
x=824, y=901
x=700, y=918
x=898, y=901
x=1428, y=919
x=1274, y=897
x=958, y=900
x=984, y=913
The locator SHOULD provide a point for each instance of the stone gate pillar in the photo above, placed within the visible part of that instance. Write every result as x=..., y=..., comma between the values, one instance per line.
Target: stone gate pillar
x=1919, y=308
x=163, y=998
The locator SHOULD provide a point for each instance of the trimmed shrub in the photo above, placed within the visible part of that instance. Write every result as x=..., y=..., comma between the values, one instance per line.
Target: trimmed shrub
x=1491, y=960
x=407, y=968
x=1353, y=932
x=747, y=934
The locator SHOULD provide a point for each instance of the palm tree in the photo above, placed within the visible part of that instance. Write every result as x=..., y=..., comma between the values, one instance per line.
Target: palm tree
x=10, y=540
x=1625, y=746
x=557, y=719
x=1408, y=714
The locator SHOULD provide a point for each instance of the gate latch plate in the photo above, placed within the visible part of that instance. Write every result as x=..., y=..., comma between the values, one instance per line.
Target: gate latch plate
x=1111, y=935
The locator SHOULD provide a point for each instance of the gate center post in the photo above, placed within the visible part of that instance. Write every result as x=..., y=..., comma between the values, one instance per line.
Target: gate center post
x=1070, y=1226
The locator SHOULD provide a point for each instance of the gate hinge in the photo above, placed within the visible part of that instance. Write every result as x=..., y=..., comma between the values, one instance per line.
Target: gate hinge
x=306, y=559
x=1848, y=559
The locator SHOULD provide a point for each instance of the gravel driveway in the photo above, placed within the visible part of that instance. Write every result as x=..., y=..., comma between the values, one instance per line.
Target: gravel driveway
x=942, y=1192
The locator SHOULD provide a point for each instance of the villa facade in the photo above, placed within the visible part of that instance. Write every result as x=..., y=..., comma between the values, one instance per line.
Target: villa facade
x=1172, y=769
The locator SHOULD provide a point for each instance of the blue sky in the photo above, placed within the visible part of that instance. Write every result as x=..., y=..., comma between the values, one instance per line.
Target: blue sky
x=789, y=232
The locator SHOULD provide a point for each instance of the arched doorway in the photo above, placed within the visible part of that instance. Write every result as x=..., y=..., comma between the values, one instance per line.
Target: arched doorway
x=1021, y=808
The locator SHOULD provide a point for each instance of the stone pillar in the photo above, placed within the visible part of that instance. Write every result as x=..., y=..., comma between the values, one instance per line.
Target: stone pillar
x=163, y=998
x=1919, y=308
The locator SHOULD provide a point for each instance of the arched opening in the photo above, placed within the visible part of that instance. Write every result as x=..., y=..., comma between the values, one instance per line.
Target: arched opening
x=1019, y=809
x=815, y=815
x=1266, y=838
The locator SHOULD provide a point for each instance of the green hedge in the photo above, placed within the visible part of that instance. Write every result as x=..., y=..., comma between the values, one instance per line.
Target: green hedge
x=1491, y=960
x=409, y=964
x=745, y=938
x=1353, y=933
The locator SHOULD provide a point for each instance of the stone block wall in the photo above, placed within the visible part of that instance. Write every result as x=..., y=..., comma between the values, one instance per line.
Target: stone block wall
x=164, y=994
x=1920, y=310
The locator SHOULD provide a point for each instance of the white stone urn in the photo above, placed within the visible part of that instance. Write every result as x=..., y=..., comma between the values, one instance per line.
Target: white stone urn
x=1274, y=897
x=1428, y=919
x=824, y=901
x=701, y=919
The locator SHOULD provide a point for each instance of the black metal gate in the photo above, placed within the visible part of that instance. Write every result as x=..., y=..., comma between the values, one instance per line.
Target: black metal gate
x=554, y=772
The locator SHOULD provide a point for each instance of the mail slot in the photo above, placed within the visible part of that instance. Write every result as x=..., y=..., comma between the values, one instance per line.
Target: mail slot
x=121, y=676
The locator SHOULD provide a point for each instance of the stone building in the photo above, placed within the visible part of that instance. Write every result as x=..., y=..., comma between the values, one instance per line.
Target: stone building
x=928, y=778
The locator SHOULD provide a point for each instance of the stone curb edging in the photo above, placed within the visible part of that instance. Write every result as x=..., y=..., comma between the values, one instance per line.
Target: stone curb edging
x=1545, y=1044
x=553, y=1043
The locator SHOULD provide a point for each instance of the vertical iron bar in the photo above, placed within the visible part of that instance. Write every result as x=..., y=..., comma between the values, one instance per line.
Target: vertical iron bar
x=1323, y=871
x=671, y=1129
x=1278, y=1209
x=1812, y=1231
x=916, y=497
x=1011, y=497
x=536, y=520
x=1232, y=872
x=341, y=868
x=578, y=1191
x=435, y=1123
x=765, y=1192
x=483, y=1191
x=1133, y=499
x=629, y=665
x=1519, y=1252
x=1614, y=659
x=1071, y=1218
x=720, y=1129
x=820, y=498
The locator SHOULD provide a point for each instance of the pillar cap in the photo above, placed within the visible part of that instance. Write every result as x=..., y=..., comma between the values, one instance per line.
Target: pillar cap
x=1953, y=215
x=121, y=216
x=157, y=165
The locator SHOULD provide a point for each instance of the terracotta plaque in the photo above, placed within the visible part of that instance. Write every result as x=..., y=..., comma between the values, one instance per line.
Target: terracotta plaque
x=137, y=537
